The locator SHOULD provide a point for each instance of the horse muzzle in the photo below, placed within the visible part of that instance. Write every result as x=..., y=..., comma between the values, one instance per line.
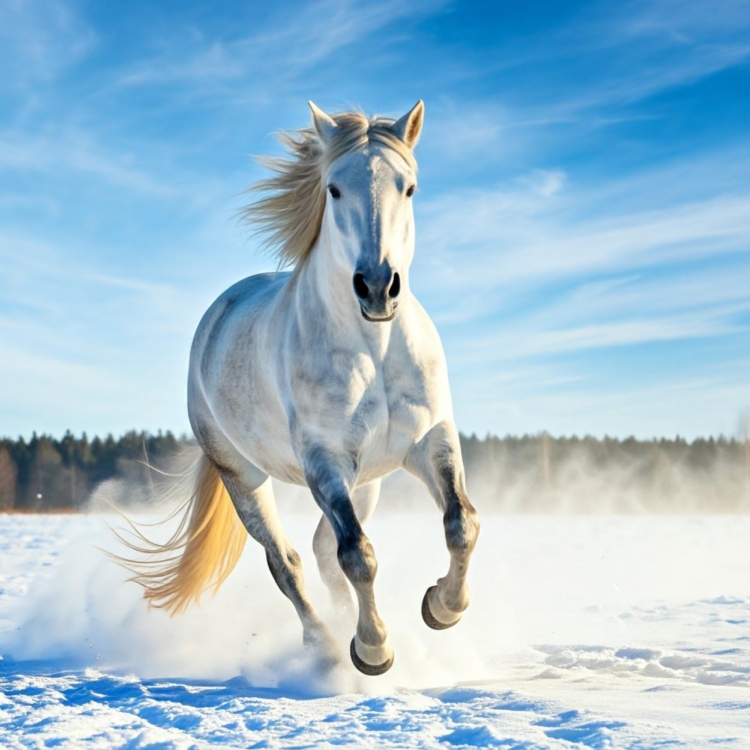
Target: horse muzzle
x=377, y=293
x=379, y=319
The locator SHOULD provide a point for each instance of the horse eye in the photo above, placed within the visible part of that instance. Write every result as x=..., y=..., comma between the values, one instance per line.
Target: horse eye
x=410, y=191
x=334, y=191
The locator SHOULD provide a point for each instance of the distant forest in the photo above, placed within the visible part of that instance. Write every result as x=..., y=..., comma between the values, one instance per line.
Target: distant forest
x=526, y=474
x=50, y=474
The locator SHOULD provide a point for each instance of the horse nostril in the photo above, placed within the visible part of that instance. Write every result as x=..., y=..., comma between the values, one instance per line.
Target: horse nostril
x=395, y=287
x=360, y=287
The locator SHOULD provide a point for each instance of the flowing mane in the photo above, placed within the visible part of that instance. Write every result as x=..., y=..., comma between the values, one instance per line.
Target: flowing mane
x=290, y=210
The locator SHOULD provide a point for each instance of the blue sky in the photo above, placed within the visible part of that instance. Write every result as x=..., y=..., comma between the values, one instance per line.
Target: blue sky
x=583, y=220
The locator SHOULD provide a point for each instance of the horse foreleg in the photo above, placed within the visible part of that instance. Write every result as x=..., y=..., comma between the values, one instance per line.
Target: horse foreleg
x=255, y=504
x=436, y=460
x=370, y=648
x=325, y=545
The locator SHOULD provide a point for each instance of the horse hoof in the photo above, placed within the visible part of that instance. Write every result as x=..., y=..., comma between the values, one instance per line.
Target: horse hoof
x=429, y=619
x=372, y=670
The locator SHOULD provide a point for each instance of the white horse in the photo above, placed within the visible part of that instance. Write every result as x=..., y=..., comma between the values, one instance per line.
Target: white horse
x=330, y=376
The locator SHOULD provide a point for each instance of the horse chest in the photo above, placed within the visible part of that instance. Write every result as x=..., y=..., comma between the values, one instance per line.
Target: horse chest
x=371, y=410
x=389, y=413
x=402, y=419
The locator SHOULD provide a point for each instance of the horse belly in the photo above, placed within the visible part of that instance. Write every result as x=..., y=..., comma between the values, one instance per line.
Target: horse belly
x=272, y=452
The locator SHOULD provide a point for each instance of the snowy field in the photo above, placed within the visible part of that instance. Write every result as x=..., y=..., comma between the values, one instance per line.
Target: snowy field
x=622, y=632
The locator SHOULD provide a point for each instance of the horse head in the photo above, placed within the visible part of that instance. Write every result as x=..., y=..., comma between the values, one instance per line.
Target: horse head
x=368, y=218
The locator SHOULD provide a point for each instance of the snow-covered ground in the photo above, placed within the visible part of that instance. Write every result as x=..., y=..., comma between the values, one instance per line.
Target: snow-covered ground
x=583, y=632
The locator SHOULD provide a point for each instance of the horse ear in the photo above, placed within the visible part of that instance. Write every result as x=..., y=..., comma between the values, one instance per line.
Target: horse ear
x=409, y=126
x=324, y=124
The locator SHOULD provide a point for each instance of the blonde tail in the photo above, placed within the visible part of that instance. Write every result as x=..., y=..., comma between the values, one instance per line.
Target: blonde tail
x=200, y=554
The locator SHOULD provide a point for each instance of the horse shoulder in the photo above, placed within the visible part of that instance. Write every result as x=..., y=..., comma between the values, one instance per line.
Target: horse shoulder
x=230, y=387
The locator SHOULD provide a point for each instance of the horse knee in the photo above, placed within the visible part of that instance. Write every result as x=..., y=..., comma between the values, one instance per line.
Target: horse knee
x=293, y=560
x=461, y=524
x=357, y=559
x=285, y=567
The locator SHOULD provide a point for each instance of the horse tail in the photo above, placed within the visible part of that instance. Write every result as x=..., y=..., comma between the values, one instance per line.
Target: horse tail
x=200, y=554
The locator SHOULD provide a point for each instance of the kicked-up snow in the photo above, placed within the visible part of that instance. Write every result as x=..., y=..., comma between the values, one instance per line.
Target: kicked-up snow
x=589, y=632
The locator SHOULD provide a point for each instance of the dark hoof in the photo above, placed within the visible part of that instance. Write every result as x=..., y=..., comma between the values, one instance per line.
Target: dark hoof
x=368, y=669
x=428, y=618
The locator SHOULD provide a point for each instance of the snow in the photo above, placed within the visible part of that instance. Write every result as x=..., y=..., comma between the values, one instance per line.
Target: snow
x=584, y=631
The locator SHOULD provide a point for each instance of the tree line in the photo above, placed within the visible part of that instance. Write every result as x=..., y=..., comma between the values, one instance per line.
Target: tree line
x=46, y=473
x=533, y=473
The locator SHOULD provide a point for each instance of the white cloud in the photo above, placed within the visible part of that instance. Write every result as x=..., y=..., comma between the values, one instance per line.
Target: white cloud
x=545, y=182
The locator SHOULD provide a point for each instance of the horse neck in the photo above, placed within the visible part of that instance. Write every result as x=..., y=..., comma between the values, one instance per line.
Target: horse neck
x=325, y=301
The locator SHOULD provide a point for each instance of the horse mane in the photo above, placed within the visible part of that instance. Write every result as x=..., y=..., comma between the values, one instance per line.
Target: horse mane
x=290, y=210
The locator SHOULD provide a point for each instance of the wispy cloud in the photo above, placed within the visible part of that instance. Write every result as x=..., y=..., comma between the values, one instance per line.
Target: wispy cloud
x=296, y=39
x=75, y=151
x=537, y=230
x=544, y=270
x=678, y=21
x=527, y=341
x=610, y=56
x=40, y=40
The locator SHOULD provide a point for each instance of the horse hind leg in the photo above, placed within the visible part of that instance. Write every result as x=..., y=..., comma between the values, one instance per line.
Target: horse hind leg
x=252, y=495
x=325, y=546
